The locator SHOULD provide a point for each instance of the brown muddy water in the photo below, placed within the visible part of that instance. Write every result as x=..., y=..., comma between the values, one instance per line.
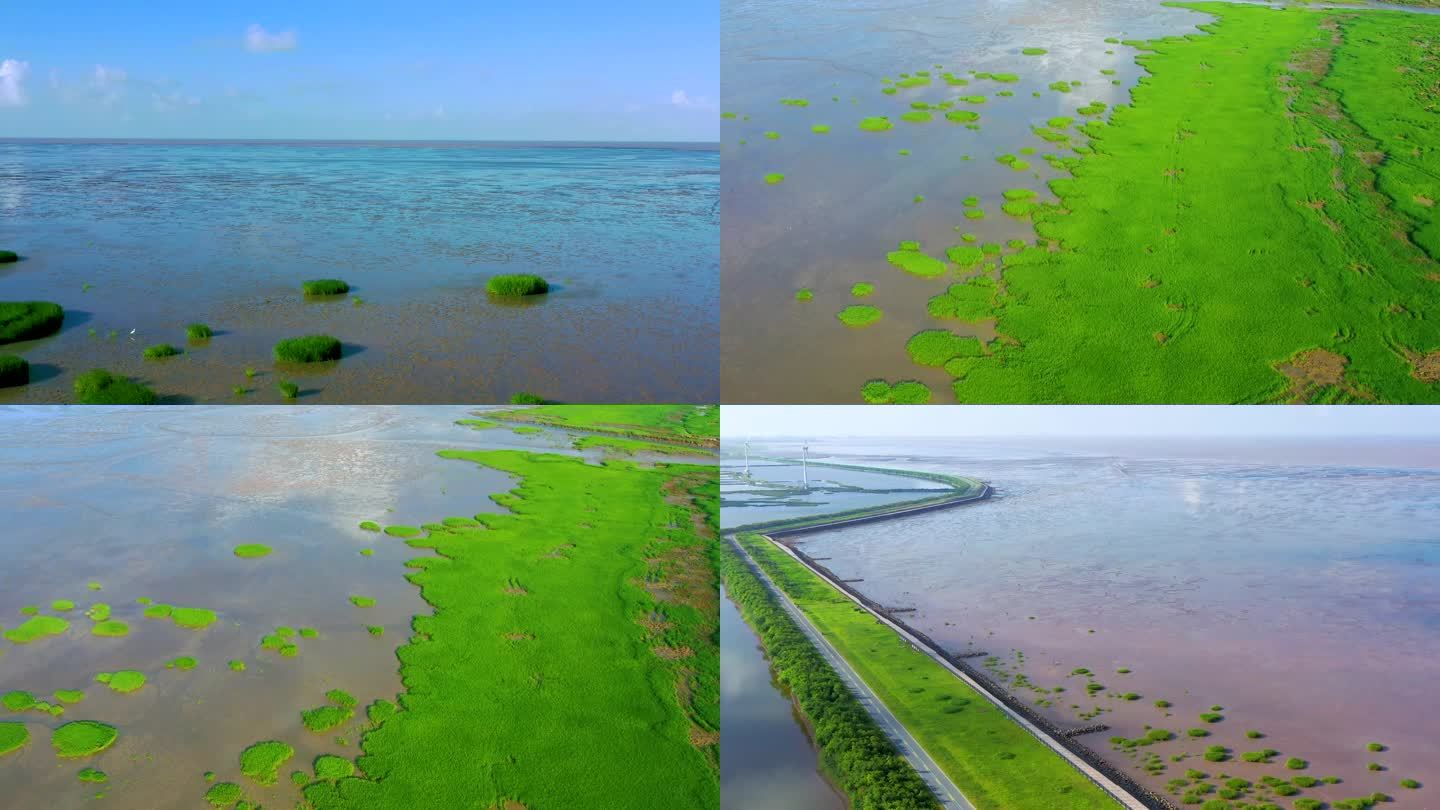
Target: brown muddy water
x=848, y=196
x=150, y=502
x=1293, y=585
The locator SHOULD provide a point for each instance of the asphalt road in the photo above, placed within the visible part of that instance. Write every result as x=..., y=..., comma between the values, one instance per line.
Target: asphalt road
x=945, y=790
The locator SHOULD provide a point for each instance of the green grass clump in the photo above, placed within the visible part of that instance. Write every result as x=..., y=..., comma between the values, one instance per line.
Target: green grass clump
x=1296, y=764
x=236, y=665
x=83, y=738
x=35, y=628
x=17, y=701
x=13, y=371
x=123, y=681
x=262, y=760
x=774, y=177
x=968, y=301
x=905, y=392
x=362, y=601
x=370, y=525
x=325, y=286
x=332, y=767
x=192, y=618
x=324, y=718
x=962, y=116
x=1211, y=717
x=875, y=124
x=1409, y=784
x=111, y=628
x=199, y=332
x=1375, y=747
x=308, y=349
x=934, y=347
x=27, y=320
x=93, y=776
x=7, y=256
x=804, y=294
x=160, y=351
x=516, y=285
x=1263, y=755
x=13, y=737
x=224, y=794
x=916, y=116
x=184, y=663
x=910, y=259
x=1034, y=51
x=250, y=551
x=288, y=389
x=62, y=605
x=402, y=531
x=69, y=696
x=820, y=128
x=100, y=387
x=857, y=316
x=862, y=289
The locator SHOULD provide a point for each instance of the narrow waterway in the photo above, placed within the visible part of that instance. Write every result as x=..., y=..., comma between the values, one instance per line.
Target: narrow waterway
x=767, y=761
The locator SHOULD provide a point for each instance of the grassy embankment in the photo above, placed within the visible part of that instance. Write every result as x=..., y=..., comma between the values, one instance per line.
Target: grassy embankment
x=572, y=660
x=854, y=752
x=961, y=485
x=680, y=424
x=995, y=762
x=1259, y=225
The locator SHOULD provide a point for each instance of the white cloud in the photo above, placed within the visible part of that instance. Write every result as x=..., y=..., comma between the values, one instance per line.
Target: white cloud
x=12, y=82
x=107, y=76
x=258, y=40
x=680, y=98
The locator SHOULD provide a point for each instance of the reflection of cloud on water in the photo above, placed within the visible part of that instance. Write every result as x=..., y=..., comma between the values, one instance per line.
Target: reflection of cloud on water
x=1192, y=491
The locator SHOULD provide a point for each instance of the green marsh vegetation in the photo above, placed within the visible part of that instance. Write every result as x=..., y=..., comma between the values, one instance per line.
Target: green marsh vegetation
x=82, y=738
x=618, y=697
x=198, y=332
x=858, y=315
x=615, y=444
x=681, y=424
x=288, y=389
x=28, y=320
x=308, y=349
x=969, y=743
x=160, y=351
x=774, y=177
x=904, y=392
x=13, y=371
x=251, y=551
x=325, y=287
x=8, y=256
x=1314, y=163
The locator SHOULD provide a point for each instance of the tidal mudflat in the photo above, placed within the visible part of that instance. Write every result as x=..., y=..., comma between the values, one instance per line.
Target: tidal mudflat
x=399, y=253
x=1261, y=610
x=1026, y=198
x=284, y=605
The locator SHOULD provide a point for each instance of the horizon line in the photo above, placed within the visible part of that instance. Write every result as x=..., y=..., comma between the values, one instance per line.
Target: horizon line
x=544, y=142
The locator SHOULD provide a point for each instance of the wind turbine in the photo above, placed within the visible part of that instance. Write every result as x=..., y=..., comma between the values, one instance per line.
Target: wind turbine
x=805, y=465
x=747, y=458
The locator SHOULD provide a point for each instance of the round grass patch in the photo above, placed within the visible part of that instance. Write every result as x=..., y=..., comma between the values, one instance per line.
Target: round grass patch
x=83, y=738
x=308, y=349
x=224, y=794
x=111, y=629
x=13, y=736
x=262, y=760
x=905, y=392
x=934, y=347
x=27, y=320
x=774, y=177
x=13, y=371
x=332, y=767
x=862, y=289
x=516, y=285
x=325, y=286
x=160, y=351
x=251, y=551
x=100, y=387
x=199, y=331
x=36, y=628
x=875, y=123
x=858, y=315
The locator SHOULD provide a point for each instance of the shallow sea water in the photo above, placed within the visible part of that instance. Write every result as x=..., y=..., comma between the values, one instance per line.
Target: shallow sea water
x=167, y=233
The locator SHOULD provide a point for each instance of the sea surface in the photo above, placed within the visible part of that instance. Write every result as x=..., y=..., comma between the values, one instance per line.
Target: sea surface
x=1297, y=585
x=152, y=235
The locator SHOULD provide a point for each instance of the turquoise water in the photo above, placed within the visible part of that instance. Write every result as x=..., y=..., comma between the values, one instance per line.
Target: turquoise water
x=165, y=233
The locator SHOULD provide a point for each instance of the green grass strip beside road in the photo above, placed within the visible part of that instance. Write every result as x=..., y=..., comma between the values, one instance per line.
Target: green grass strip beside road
x=996, y=763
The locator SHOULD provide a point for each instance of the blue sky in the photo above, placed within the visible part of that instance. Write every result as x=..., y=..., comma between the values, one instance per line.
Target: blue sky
x=747, y=421
x=559, y=70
